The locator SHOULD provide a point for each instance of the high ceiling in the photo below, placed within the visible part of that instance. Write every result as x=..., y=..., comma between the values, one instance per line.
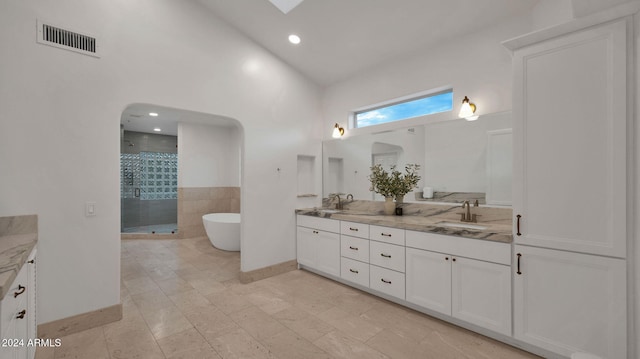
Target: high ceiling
x=343, y=37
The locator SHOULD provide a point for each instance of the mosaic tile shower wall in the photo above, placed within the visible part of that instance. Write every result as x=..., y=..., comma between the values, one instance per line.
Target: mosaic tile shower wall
x=149, y=175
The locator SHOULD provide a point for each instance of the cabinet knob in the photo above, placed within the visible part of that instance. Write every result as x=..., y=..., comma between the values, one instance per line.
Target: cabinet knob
x=21, y=290
x=31, y=261
x=446, y=258
x=21, y=314
x=453, y=259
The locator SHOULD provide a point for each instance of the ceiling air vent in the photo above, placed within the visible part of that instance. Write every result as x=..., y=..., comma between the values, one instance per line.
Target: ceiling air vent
x=65, y=39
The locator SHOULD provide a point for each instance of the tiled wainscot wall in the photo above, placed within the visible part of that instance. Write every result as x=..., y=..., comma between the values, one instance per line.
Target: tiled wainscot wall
x=194, y=202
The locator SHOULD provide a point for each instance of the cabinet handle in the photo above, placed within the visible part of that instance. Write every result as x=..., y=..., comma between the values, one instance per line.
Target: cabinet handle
x=354, y=248
x=32, y=261
x=385, y=255
x=385, y=281
x=353, y=229
x=385, y=234
x=353, y=271
x=519, y=272
x=518, y=225
x=21, y=290
x=21, y=314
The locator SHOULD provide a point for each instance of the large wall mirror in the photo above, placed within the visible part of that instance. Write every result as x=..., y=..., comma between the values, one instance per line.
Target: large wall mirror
x=458, y=159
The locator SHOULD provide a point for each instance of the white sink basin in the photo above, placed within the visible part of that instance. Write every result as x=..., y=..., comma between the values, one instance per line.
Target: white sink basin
x=329, y=211
x=461, y=225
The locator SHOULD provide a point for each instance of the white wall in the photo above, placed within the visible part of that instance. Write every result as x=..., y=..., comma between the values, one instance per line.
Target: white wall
x=59, y=130
x=476, y=66
x=208, y=156
x=551, y=12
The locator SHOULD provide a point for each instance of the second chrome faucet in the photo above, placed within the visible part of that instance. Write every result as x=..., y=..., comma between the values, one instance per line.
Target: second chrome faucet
x=467, y=216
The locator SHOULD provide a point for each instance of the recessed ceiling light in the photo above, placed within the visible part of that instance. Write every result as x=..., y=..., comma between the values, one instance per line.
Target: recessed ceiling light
x=157, y=129
x=153, y=114
x=294, y=39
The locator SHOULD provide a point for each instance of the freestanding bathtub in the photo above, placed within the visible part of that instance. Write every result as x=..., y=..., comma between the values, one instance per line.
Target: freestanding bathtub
x=223, y=230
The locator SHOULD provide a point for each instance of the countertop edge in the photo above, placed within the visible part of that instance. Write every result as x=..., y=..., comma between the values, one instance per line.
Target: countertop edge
x=486, y=234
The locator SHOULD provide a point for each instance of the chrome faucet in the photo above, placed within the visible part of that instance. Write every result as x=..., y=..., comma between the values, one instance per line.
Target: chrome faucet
x=339, y=204
x=467, y=216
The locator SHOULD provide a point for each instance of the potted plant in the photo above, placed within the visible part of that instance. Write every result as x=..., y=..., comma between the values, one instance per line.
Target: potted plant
x=404, y=183
x=394, y=184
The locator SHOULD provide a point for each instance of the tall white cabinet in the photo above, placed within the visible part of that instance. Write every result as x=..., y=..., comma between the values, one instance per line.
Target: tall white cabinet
x=570, y=187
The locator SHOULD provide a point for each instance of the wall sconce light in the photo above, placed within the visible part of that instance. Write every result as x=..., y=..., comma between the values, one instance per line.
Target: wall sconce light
x=337, y=131
x=467, y=110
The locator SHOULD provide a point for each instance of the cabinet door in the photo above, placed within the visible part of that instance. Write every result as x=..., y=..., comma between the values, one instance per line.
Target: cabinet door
x=568, y=302
x=481, y=293
x=328, y=252
x=306, y=246
x=428, y=279
x=569, y=132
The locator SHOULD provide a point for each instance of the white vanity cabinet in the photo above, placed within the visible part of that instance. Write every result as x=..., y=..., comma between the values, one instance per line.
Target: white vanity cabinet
x=571, y=116
x=567, y=302
x=318, y=244
x=18, y=316
x=465, y=278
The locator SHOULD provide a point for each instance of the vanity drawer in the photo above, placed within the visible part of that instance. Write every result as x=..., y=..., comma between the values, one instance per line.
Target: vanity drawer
x=354, y=248
x=387, y=281
x=354, y=271
x=324, y=224
x=387, y=234
x=387, y=255
x=354, y=229
x=11, y=304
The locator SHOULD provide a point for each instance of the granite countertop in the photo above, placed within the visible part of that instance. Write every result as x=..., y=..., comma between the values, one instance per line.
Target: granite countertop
x=18, y=237
x=497, y=229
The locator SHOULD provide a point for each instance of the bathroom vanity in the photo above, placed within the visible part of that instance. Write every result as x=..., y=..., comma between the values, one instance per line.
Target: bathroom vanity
x=428, y=261
x=18, y=238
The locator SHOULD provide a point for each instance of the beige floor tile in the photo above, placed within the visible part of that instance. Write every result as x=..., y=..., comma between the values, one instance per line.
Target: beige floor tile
x=397, y=347
x=165, y=321
x=187, y=344
x=350, y=324
x=289, y=345
x=238, y=344
x=131, y=340
x=267, y=301
x=189, y=301
x=45, y=353
x=140, y=285
x=305, y=324
x=174, y=285
x=229, y=302
x=152, y=300
x=206, y=284
x=257, y=323
x=86, y=344
x=211, y=322
x=340, y=345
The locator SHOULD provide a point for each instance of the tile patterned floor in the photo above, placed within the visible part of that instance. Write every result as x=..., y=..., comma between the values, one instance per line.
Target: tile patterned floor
x=182, y=299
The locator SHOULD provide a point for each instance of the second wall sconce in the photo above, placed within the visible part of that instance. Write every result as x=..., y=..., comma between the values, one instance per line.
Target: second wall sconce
x=468, y=110
x=337, y=131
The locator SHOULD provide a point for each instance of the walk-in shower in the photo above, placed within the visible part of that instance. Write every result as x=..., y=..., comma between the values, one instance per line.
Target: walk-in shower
x=148, y=183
